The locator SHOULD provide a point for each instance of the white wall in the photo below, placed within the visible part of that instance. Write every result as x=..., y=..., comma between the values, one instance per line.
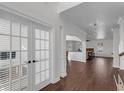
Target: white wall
x=70, y=29
x=66, y=5
x=121, y=42
x=45, y=12
x=107, y=47
x=121, y=34
x=116, y=47
x=73, y=46
x=73, y=30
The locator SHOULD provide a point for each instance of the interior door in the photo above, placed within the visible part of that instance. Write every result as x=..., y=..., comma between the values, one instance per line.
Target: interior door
x=24, y=54
x=14, y=50
x=40, y=55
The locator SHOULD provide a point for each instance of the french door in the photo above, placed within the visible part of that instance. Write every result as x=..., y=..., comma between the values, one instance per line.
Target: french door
x=24, y=54
x=14, y=67
x=40, y=55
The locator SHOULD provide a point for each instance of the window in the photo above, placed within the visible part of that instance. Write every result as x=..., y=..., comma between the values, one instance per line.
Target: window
x=100, y=47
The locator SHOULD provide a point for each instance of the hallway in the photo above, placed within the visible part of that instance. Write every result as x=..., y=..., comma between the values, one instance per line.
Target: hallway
x=95, y=75
x=37, y=38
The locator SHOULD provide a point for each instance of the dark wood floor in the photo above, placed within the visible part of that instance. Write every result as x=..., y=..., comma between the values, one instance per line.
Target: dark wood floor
x=95, y=75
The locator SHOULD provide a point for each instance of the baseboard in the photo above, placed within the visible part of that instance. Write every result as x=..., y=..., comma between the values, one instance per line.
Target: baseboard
x=56, y=80
x=63, y=75
x=77, y=61
x=103, y=57
x=115, y=66
x=121, y=68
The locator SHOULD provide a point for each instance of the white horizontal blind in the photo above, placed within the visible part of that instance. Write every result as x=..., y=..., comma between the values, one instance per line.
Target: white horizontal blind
x=15, y=86
x=4, y=26
x=13, y=55
x=4, y=77
x=4, y=54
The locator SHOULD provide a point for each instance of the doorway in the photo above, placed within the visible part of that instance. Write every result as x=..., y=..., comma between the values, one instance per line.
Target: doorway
x=24, y=53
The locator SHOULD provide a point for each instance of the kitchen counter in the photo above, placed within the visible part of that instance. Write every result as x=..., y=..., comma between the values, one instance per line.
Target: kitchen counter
x=75, y=56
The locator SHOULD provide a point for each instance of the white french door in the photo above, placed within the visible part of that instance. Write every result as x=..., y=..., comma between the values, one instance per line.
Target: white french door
x=14, y=67
x=40, y=55
x=24, y=54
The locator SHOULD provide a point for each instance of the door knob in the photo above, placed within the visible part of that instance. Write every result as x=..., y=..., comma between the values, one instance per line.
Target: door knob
x=33, y=61
x=29, y=61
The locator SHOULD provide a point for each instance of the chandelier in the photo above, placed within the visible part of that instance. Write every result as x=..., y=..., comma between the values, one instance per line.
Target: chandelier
x=97, y=25
x=93, y=27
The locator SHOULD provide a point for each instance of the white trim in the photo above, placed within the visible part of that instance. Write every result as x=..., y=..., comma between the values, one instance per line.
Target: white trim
x=115, y=66
x=53, y=78
x=56, y=80
x=63, y=64
x=42, y=85
x=121, y=68
x=52, y=58
x=63, y=75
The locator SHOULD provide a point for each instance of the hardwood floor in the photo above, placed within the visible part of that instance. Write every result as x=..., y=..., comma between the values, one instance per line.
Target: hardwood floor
x=95, y=75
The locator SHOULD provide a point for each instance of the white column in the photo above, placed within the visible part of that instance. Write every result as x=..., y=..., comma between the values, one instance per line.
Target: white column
x=121, y=42
x=52, y=57
x=116, y=47
x=63, y=53
x=121, y=33
x=84, y=50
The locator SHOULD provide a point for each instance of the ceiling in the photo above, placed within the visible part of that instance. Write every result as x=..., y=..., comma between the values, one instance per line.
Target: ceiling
x=86, y=13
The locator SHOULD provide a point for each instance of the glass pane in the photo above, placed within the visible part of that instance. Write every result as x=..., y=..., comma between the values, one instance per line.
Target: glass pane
x=42, y=65
x=37, y=67
x=4, y=76
x=24, y=57
x=4, y=87
x=24, y=69
x=4, y=43
x=47, y=74
x=37, y=33
x=15, y=72
x=4, y=26
x=47, y=44
x=15, y=86
x=47, y=55
x=42, y=76
x=16, y=29
x=24, y=83
x=42, y=34
x=37, y=55
x=4, y=59
x=15, y=43
x=47, y=64
x=42, y=44
x=42, y=55
x=15, y=58
x=37, y=44
x=24, y=43
x=37, y=78
x=24, y=30
x=47, y=35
